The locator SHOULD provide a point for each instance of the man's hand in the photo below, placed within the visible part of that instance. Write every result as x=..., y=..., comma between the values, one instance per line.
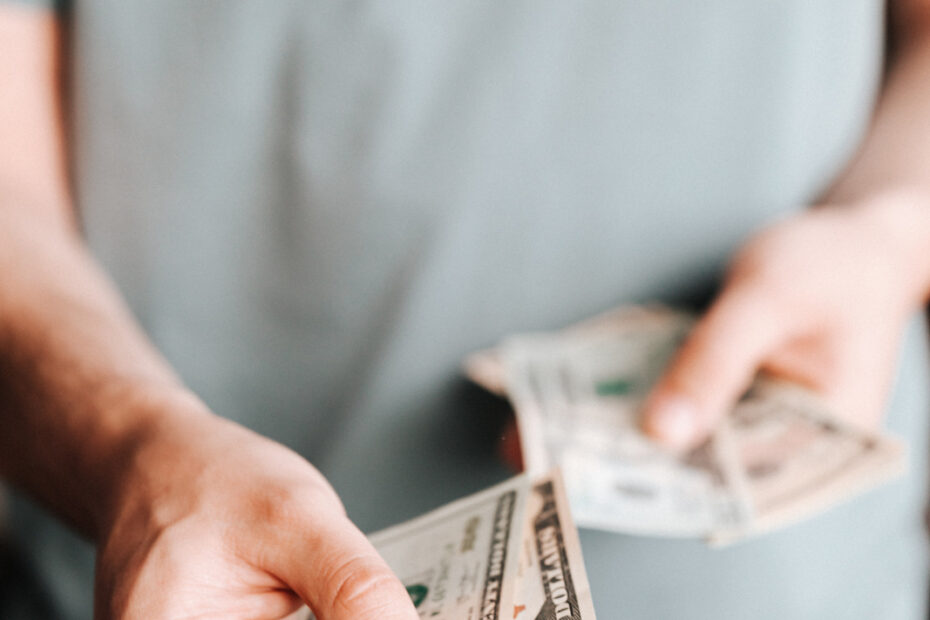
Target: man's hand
x=820, y=299
x=214, y=521
x=195, y=517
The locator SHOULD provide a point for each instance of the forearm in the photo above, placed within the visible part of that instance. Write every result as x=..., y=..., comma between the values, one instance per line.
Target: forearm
x=890, y=176
x=80, y=387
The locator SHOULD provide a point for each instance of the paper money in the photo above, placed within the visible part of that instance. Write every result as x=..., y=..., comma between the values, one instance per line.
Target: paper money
x=777, y=458
x=551, y=580
x=460, y=562
x=509, y=552
x=796, y=459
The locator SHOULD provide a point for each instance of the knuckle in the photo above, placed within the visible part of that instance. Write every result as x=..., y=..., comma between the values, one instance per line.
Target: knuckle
x=290, y=504
x=361, y=585
x=280, y=504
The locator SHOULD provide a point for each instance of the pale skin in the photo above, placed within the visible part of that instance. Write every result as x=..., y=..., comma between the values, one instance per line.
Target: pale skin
x=196, y=517
x=823, y=297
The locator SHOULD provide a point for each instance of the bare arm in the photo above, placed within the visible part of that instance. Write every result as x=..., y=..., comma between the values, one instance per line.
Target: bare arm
x=893, y=164
x=896, y=153
x=78, y=381
x=194, y=515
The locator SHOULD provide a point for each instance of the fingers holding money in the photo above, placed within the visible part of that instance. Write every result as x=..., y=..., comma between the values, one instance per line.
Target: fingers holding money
x=337, y=572
x=714, y=366
x=815, y=299
x=220, y=522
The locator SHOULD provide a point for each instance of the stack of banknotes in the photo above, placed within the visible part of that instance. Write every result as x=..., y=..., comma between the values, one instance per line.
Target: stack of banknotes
x=779, y=457
x=510, y=552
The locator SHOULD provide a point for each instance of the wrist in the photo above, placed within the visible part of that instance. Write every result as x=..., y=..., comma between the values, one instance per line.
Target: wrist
x=900, y=222
x=155, y=427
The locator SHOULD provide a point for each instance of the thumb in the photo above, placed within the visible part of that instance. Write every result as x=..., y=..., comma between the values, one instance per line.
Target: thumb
x=340, y=575
x=713, y=367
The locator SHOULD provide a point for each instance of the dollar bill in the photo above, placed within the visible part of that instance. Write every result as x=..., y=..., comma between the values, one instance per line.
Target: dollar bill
x=486, y=367
x=551, y=579
x=797, y=459
x=509, y=552
x=778, y=458
x=577, y=396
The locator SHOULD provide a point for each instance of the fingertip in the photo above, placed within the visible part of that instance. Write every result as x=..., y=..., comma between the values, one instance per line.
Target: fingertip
x=672, y=420
x=361, y=586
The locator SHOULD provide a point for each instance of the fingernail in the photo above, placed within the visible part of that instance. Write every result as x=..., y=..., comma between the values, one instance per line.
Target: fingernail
x=674, y=420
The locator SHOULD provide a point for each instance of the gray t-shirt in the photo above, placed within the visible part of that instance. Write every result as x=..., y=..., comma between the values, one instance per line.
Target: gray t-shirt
x=317, y=208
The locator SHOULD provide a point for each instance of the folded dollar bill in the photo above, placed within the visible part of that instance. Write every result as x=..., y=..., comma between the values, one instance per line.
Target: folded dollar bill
x=778, y=458
x=509, y=552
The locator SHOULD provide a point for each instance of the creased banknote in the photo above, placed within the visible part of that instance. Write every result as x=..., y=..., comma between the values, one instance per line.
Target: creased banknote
x=509, y=552
x=796, y=459
x=777, y=458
